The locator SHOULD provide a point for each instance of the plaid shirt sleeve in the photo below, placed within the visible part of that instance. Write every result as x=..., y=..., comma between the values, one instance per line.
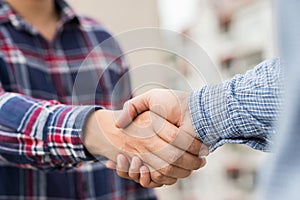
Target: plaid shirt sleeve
x=241, y=110
x=41, y=134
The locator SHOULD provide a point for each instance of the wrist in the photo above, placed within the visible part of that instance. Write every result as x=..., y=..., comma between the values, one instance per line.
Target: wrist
x=101, y=137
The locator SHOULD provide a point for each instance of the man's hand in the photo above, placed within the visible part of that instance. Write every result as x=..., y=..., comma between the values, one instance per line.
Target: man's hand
x=149, y=138
x=168, y=104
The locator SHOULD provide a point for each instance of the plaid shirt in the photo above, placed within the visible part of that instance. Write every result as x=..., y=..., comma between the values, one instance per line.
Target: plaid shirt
x=40, y=127
x=242, y=110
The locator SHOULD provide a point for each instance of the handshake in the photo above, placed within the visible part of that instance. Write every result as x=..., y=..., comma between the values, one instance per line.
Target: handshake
x=151, y=141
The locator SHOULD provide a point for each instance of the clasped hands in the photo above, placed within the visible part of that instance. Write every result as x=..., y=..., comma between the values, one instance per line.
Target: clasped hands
x=151, y=141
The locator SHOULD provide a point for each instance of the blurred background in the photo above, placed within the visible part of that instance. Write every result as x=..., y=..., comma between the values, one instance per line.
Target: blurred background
x=235, y=34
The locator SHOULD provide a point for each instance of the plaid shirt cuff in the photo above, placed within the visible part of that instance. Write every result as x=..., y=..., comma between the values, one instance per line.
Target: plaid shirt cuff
x=65, y=126
x=42, y=133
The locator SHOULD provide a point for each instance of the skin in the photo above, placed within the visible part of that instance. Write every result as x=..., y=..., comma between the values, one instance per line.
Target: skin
x=149, y=138
x=168, y=104
x=164, y=153
x=47, y=20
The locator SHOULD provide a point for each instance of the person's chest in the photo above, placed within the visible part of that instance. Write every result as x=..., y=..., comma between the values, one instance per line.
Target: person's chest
x=53, y=70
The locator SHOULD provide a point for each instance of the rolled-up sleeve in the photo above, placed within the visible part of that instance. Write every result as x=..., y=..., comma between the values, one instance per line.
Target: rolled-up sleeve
x=241, y=110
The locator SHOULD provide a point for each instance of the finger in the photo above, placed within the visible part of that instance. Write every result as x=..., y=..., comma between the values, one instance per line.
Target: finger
x=179, y=158
x=204, y=150
x=122, y=166
x=110, y=165
x=203, y=162
x=176, y=136
x=156, y=152
x=132, y=108
x=169, y=152
x=159, y=178
x=145, y=178
x=144, y=141
x=173, y=172
x=188, y=161
x=141, y=174
x=134, y=169
x=157, y=164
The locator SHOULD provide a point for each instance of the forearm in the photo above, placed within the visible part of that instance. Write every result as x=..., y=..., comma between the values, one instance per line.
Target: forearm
x=39, y=133
x=241, y=110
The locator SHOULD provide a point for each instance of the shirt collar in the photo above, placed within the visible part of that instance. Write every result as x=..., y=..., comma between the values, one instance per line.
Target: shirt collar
x=7, y=14
x=67, y=14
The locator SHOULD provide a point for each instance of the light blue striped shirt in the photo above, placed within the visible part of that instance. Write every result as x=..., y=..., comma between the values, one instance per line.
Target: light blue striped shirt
x=244, y=110
x=241, y=110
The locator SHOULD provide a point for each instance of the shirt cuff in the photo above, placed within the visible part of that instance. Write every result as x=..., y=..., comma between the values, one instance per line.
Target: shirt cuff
x=218, y=118
x=208, y=114
x=64, y=134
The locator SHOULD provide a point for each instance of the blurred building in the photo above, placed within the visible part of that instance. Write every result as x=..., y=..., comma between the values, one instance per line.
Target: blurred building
x=121, y=18
x=235, y=34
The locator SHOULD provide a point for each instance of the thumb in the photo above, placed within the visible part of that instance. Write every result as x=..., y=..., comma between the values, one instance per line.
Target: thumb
x=131, y=110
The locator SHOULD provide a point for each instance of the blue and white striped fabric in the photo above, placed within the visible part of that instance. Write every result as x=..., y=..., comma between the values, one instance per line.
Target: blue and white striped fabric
x=242, y=110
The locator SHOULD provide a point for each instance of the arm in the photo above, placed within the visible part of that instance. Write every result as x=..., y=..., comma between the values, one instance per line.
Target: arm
x=39, y=133
x=46, y=134
x=242, y=110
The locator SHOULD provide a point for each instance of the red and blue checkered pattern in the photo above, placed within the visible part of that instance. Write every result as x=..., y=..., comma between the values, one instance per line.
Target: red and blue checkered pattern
x=41, y=151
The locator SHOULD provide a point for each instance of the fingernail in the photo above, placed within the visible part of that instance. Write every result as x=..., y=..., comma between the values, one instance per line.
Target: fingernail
x=119, y=162
x=133, y=163
x=143, y=170
x=204, y=151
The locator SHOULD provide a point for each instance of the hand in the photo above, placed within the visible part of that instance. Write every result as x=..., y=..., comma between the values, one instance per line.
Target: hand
x=171, y=105
x=148, y=138
x=140, y=172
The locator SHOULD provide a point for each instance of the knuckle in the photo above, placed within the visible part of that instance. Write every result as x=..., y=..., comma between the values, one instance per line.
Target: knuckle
x=123, y=174
x=203, y=162
x=186, y=174
x=144, y=119
x=171, y=135
x=175, y=156
x=197, y=163
x=195, y=146
x=171, y=182
x=145, y=185
x=133, y=175
x=127, y=105
x=168, y=170
x=130, y=105
x=158, y=177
